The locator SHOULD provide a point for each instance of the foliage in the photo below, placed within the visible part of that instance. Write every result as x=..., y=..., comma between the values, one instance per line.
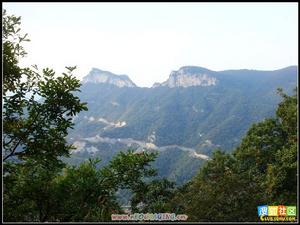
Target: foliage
x=261, y=170
x=28, y=191
x=37, y=113
x=153, y=197
x=117, y=172
x=12, y=51
x=80, y=193
x=38, y=108
x=282, y=175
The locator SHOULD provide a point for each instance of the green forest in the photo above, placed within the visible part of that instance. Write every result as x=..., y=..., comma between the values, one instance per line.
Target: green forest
x=38, y=186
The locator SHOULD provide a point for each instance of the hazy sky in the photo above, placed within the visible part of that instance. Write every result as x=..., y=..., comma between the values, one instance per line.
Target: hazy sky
x=147, y=41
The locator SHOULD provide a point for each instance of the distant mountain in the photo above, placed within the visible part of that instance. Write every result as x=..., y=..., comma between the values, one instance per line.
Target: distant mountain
x=98, y=76
x=190, y=76
x=185, y=118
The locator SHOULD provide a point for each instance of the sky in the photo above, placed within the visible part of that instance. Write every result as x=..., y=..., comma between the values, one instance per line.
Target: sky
x=146, y=41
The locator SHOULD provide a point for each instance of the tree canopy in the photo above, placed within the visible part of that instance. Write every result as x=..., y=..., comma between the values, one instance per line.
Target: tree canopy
x=262, y=170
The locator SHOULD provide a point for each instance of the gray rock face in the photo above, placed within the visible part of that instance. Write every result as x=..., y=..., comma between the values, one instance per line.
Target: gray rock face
x=100, y=76
x=188, y=76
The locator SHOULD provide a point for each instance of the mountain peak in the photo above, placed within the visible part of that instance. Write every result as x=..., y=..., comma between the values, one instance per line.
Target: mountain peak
x=100, y=76
x=188, y=76
x=194, y=69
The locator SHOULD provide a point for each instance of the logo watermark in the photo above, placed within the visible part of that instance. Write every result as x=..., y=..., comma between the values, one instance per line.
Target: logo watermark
x=277, y=213
x=149, y=217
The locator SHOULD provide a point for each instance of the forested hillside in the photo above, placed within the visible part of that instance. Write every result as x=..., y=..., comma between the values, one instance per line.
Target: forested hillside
x=200, y=111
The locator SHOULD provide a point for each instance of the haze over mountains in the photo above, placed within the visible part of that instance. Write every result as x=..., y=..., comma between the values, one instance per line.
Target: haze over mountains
x=185, y=118
x=100, y=76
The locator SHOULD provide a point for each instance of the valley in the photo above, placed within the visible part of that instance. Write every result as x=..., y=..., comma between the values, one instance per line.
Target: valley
x=185, y=118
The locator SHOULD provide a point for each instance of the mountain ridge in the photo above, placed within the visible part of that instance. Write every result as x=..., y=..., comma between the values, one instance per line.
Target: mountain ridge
x=202, y=118
x=185, y=76
x=101, y=76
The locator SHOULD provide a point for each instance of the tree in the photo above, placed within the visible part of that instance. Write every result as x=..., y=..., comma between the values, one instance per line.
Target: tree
x=282, y=174
x=29, y=194
x=261, y=170
x=133, y=172
x=89, y=194
x=217, y=193
x=37, y=113
x=153, y=197
x=12, y=51
x=38, y=108
x=80, y=193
